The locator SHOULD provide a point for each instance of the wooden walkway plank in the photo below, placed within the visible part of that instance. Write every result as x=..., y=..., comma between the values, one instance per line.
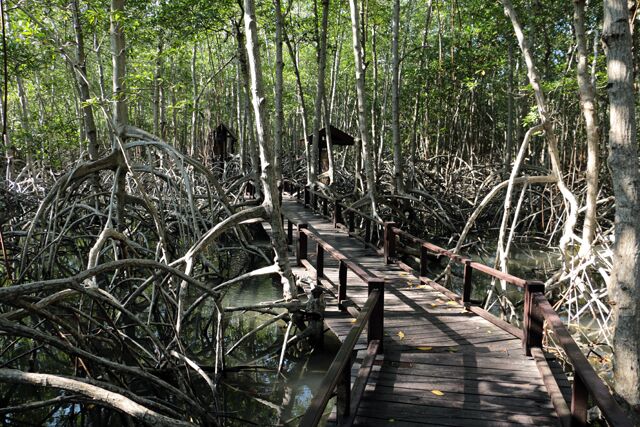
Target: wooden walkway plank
x=442, y=365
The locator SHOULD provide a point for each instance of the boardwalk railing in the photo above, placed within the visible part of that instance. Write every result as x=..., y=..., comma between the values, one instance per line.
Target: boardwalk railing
x=537, y=310
x=338, y=376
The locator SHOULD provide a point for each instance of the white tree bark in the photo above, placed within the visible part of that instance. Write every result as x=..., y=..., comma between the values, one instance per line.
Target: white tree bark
x=623, y=164
x=571, y=205
x=279, y=120
x=363, y=122
x=588, y=105
x=101, y=395
x=321, y=50
x=271, y=201
x=395, y=102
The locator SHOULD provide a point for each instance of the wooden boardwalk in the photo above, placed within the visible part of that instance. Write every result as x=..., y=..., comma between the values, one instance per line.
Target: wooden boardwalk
x=441, y=365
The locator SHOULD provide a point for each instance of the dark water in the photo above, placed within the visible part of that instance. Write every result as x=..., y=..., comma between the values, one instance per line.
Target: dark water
x=260, y=395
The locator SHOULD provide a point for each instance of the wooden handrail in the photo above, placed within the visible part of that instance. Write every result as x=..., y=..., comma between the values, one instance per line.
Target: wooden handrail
x=372, y=315
x=584, y=373
x=341, y=362
x=537, y=310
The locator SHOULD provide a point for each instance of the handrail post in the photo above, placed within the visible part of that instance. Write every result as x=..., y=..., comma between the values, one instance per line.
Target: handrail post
x=424, y=261
x=352, y=222
x=389, y=242
x=325, y=208
x=306, y=196
x=343, y=392
x=579, y=402
x=466, y=291
x=298, y=191
x=367, y=231
x=301, y=253
x=319, y=263
x=375, y=329
x=342, y=284
x=337, y=213
x=289, y=231
x=532, y=336
x=314, y=201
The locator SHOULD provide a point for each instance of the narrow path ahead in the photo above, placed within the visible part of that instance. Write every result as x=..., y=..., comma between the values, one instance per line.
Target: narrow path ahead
x=442, y=365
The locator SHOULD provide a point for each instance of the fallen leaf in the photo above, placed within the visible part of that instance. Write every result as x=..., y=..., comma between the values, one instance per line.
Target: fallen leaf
x=435, y=305
x=391, y=420
x=452, y=350
x=353, y=320
x=452, y=303
x=437, y=392
x=401, y=335
x=425, y=348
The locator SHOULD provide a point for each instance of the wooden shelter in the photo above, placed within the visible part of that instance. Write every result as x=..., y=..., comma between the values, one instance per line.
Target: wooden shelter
x=224, y=142
x=338, y=137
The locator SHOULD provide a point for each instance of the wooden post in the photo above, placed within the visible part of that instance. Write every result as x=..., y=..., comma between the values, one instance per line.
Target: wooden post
x=306, y=196
x=337, y=213
x=375, y=329
x=389, y=242
x=298, y=190
x=532, y=320
x=301, y=253
x=342, y=284
x=325, y=207
x=352, y=222
x=466, y=291
x=319, y=263
x=367, y=230
x=314, y=201
x=424, y=260
x=289, y=232
x=579, y=402
x=343, y=393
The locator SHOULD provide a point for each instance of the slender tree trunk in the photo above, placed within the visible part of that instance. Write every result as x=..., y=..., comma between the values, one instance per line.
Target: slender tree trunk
x=90, y=130
x=362, y=106
x=588, y=104
x=279, y=122
x=321, y=51
x=510, y=115
x=8, y=146
x=571, y=205
x=418, y=98
x=120, y=114
x=303, y=105
x=271, y=202
x=26, y=123
x=98, y=50
x=157, y=89
x=327, y=125
x=623, y=164
x=195, y=101
x=395, y=102
x=252, y=146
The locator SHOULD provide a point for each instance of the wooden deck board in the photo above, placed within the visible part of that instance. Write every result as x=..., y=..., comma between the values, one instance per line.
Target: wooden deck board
x=430, y=344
